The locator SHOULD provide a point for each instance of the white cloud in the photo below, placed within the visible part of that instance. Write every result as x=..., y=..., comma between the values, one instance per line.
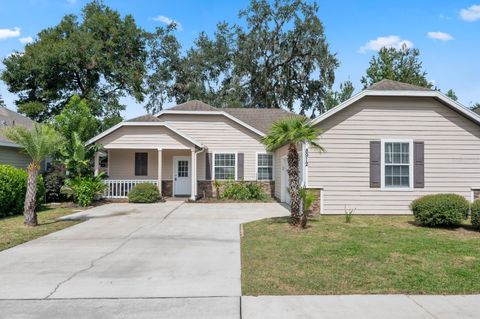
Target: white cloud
x=168, y=21
x=390, y=41
x=26, y=40
x=9, y=33
x=471, y=14
x=71, y=2
x=442, y=36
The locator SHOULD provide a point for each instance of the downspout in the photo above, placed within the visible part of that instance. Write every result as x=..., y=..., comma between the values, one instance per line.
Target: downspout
x=202, y=149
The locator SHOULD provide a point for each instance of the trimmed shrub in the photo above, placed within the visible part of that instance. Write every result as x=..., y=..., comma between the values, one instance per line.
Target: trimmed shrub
x=84, y=190
x=440, y=210
x=13, y=186
x=243, y=191
x=144, y=193
x=475, y=214
x=54, y=179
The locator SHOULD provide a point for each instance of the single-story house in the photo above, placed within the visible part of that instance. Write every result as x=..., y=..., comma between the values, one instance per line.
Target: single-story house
x=385, y=146
x=11, y=153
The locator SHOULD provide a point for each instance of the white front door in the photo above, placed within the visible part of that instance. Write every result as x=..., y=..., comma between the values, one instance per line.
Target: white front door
x=285, y=194
x=182, y=175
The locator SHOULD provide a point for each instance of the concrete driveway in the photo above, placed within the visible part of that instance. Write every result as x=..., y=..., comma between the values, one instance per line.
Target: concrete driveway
x=187, y=252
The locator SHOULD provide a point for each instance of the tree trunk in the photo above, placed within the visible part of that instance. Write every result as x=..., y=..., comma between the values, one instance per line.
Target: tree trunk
x=30, y=204
x=294, y=184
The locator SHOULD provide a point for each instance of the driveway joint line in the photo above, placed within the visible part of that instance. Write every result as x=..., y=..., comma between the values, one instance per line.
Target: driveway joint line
x=421, y=306
x=93, y=262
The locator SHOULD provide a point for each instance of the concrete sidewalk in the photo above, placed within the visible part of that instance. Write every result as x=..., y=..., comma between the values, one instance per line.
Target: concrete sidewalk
x=264, y=307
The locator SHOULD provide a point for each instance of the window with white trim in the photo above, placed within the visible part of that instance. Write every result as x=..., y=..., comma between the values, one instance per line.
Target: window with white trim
x=264, y=167
x=397, y=164
x=225, y=165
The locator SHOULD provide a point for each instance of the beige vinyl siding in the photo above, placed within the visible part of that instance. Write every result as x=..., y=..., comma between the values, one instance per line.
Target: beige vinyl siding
x=13, y=156
x=452, y=153
x=144, y=137
x=279, y=153
x=122, y=163
x=220, y=135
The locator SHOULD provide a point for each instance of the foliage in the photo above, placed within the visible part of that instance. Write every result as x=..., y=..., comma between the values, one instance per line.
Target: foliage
x=84, y=190
x=2, y=102
x=144, y=193
x=101, y=57
x=291, y=130
x=39, y=142
x=76, y=157
x=76, y=118
x=333, y=98
x=475, y=214
x=476, y=108
x=243, y=191
x=13, y=186
x=401, y=65
x=349, y=214
x=217, y=184
x=54, y=179
x=278, y=56
x=440, y=210
x=451, y=94
x=308, y=198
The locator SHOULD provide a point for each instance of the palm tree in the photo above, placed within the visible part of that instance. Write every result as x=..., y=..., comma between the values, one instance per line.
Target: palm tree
x=292, y=131
x=38, y=143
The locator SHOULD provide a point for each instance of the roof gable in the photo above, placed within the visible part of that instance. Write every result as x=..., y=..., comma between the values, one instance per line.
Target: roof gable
x=391, y=85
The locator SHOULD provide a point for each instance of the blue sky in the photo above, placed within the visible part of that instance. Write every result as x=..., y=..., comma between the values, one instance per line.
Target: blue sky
x=446, y=32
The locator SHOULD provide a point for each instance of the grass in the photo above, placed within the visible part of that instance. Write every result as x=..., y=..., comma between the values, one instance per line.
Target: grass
x=13, y=232
x=370, y=255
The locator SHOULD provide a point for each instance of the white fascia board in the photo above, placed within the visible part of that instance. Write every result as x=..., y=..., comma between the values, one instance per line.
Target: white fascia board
x=433, y=94
x=233, y=118
x=164, y=124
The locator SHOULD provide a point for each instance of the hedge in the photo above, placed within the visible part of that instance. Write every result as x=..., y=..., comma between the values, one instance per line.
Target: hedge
x=440, y=210
x=144, y=193
x=475, y=214
x=13, y=186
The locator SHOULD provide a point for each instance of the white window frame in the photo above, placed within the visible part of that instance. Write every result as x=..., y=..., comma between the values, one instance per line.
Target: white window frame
x=410, y=165
x=256, y=166
x=236, y=165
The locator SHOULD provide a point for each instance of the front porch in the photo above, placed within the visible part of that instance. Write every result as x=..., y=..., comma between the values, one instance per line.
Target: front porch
x=174, y=171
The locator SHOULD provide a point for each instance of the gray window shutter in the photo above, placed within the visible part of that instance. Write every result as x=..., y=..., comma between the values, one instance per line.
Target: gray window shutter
x=240, y=158
x=375, y=164
x=418, y=164
x=208, y=166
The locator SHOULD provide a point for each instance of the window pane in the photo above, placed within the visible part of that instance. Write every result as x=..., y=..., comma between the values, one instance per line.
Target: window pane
x=225, y=166
x=141, y=164
x=182, y=169
x=405, y=181
x=265, y=167
x=264, y=173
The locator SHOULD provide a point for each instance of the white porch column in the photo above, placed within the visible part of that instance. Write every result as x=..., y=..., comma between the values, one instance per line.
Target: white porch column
x=97, y=163
x=160, y=171
x=194, y=176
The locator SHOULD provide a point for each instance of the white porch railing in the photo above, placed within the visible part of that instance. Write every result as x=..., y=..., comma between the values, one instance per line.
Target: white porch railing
x=119, y=188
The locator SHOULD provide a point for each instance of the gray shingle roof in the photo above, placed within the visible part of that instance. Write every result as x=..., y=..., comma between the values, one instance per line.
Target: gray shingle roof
x=260, y=119
x=193, y=105
x=9, y=118
x=390, y=85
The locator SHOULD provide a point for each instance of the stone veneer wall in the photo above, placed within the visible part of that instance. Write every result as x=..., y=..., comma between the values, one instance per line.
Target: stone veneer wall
x=167, y=188
x=207, y=188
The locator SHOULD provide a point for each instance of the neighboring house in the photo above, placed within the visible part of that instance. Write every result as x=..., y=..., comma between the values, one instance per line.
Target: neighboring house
x=385, y=147
x=11, y=153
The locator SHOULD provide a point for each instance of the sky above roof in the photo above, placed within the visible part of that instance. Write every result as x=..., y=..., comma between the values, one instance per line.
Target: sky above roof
x=446, y=32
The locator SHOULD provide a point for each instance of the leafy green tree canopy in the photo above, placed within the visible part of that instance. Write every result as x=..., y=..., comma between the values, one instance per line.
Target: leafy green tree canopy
x=77, y=118
x=401, y=65
x=451, y=94
x=101, y=57
x=278, y=58
x=334, y=98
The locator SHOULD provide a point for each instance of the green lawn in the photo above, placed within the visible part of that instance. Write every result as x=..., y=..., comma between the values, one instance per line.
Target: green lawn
x=372, y=255
x=13, y=232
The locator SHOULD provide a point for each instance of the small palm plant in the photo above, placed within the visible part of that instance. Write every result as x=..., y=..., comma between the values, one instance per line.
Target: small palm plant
x=308, y=198
x=39, y=142
x=293, y=131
